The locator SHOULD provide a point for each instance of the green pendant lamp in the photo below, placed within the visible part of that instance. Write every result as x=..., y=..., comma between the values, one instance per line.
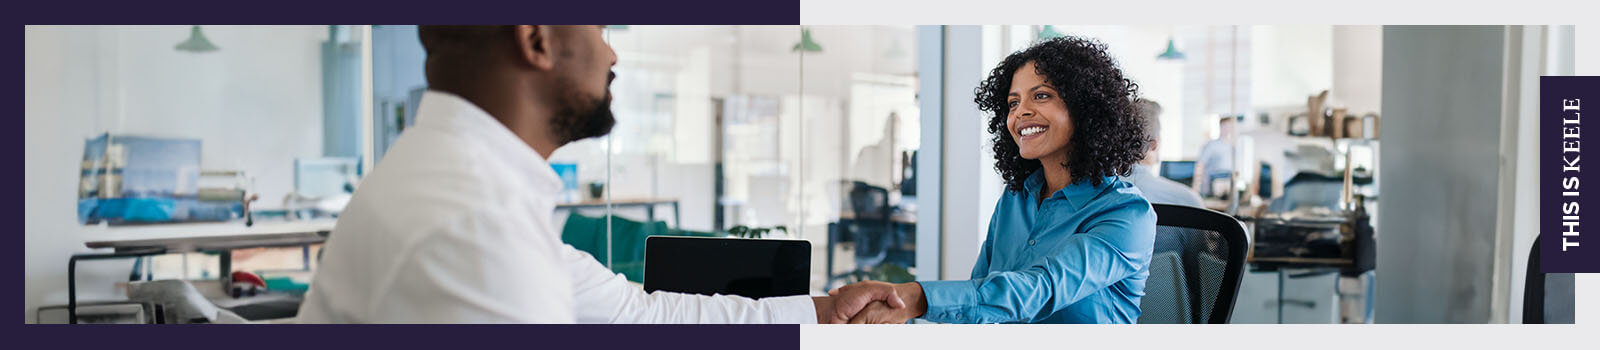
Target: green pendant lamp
x=806, y=44
x=197, y=42
x=1172, y=52
x=1049, y=32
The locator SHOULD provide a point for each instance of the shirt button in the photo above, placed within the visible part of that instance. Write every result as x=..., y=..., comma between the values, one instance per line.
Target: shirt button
x=1032, y=242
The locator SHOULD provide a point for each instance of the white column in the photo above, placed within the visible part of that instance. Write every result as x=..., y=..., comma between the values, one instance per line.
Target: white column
x=962, y=152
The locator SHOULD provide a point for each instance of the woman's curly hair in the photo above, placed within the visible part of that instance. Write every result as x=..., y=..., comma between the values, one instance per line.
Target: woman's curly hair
x=1107, y=138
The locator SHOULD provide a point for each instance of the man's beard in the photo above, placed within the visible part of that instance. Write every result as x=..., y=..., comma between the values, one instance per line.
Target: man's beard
x=582, y=117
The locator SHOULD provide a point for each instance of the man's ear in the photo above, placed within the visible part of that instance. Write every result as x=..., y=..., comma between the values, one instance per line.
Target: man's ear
x=533, y=45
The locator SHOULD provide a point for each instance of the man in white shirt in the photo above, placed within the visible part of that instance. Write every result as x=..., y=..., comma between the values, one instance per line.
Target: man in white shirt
x=1158, y=189
x=455, y=223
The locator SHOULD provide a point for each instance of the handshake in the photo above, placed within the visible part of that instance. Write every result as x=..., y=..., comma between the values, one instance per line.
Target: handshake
x=872, y=302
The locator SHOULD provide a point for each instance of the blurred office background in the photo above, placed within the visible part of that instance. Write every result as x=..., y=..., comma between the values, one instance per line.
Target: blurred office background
x=862, y=140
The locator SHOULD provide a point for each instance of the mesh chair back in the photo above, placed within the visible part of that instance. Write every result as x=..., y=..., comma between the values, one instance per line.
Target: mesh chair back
x=871, y=227
x=1195, y=272
x=869, y=202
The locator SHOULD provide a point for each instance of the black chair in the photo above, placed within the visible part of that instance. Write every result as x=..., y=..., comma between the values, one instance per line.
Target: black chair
x=872, y=229
x=1196, y=269
x=1533, y=289
x=1537, y=289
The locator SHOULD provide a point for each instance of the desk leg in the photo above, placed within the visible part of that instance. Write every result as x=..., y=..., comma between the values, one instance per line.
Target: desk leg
x=138, y=269
x=677, y=217
x=827, y=282
x=650, y=213
x=1282, y=275
x=72, y=290
x=225, y=265
x=72, y=273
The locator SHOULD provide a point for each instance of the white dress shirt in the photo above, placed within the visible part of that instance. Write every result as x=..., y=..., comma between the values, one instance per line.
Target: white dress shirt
x=1160, y=190
x=455, y=226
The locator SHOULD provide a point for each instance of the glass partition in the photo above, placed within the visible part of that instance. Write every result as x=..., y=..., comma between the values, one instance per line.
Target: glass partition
x=793, y=132
x=264, y=120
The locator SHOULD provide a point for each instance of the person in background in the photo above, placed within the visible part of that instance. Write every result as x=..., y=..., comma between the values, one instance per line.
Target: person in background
x=878, y=164
x=455, y=224
x=1157, y=189
x=1216, y=159
x=1070, y=242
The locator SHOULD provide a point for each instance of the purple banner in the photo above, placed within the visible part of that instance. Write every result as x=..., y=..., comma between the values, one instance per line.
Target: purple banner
x=638, y=12
x=1563, y=245
x=440, y=337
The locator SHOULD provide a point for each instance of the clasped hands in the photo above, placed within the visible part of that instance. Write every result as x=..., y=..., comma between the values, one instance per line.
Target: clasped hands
x=872, y=302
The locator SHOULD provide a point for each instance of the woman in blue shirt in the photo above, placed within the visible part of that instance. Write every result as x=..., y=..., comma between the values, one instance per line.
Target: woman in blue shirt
x=1069, y=242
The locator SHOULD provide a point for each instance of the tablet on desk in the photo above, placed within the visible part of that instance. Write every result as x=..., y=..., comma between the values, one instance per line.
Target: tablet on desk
x=754, y=268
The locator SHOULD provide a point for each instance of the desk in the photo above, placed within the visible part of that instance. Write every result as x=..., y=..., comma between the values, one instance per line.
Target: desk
x=648, y=203
x=898, y=217
x=148, y=240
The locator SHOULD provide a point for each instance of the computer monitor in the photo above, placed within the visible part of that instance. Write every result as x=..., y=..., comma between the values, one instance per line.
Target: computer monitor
x=1181, y=171
x=754, y=268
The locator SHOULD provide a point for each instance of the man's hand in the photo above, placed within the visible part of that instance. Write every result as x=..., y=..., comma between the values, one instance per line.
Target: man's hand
x=852, y=299
x=880, y=313
x=824, y=309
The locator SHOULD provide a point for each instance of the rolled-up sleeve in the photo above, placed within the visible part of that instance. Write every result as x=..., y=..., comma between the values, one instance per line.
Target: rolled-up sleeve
x=1115, y=246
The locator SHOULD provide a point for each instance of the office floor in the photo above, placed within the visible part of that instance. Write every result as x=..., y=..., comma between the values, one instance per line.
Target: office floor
x=1312, y=299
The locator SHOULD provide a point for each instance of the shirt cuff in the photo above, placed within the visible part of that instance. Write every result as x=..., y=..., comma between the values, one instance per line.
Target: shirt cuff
x=949, y=301
x=797, y=309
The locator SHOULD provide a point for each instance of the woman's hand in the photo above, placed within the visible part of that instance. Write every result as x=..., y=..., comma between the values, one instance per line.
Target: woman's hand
x=880, y=313
x=875, y=302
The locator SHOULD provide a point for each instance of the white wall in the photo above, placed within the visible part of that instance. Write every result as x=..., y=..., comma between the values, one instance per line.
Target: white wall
x=964, y=159
x=1290, y=62
x=256, y=105
x=1357, y=68
x=1135, y=48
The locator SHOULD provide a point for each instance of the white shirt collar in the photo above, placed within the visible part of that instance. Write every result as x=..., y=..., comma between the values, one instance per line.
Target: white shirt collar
x=452, y=114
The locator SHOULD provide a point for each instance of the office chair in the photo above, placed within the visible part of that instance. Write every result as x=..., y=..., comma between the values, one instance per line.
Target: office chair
x=1533, y=289
x=872, y=228
x=1537, y=289
x=1196, y=269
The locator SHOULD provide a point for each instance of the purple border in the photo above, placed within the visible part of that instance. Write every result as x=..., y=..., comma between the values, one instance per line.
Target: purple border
x=442, y=337
x=1561, y=188
x=640, y=12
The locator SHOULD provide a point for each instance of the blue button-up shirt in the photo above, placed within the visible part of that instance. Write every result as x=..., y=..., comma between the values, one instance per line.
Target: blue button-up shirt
x=1080, y=256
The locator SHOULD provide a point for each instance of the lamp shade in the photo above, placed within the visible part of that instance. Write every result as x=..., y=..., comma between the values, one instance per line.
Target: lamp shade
x=197, y=42
x=806, y=44
x=1172, y=52
x=1049, y=32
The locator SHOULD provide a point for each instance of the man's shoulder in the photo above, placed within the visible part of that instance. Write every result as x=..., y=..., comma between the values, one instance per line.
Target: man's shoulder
x=1160, y=190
